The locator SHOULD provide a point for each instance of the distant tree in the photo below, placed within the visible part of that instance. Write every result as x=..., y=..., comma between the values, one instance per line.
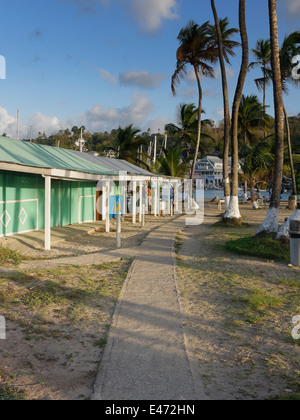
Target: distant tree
x=171, y=163
x=252, y=117
x=186, y=129
x=128, y=143
x=256, y=159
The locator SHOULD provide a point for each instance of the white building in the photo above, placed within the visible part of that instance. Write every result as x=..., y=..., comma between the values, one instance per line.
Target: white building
x=210, y=169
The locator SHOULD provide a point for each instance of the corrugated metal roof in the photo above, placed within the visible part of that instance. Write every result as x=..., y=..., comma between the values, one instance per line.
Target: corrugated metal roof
x=39, y=156
x=114, y=164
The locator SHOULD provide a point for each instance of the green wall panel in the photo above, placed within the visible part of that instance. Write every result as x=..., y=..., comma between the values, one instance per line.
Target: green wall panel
x=22, y=202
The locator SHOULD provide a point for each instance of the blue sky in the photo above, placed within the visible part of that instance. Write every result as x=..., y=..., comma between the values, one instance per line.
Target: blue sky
x=105, y=63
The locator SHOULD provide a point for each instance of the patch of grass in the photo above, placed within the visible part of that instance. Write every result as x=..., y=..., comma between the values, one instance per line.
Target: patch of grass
x=230, y=225
x=260, y=300
x=9, y=393
x=9, y=257
x=291, y=397
x=267, y=248
x=178, y=243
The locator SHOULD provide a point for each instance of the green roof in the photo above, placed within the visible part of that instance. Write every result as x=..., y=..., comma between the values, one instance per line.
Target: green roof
x=39, y=156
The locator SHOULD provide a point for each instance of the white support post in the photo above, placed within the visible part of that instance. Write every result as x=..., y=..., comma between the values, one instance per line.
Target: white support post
x=134, y=202
x=177, y=203
x=119, y=229
x=107, y=212
x=154, y=199
x=125, y=199
x=143, y=215
x=141, y=200
x=158, y=200
x=47, y=213
x=169, y=199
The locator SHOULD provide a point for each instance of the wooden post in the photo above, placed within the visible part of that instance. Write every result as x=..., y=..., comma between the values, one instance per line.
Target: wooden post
x=47, y=213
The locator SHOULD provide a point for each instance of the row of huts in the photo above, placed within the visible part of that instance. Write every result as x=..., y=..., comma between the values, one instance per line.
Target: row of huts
x=43, y=187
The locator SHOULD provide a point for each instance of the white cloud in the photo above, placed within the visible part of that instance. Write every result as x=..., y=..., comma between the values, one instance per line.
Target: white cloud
x=291, y=7
x=149, y=14
x=100, y=118
x=105, y=75
x=229, y=72
x=142, y=79
x=156, y=124
x=44, y=123
x=8, y=124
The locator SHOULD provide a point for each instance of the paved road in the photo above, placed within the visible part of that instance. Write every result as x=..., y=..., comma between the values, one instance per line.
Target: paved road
x=147, y=356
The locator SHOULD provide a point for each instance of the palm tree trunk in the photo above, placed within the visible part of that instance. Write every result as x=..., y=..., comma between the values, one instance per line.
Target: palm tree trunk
x=233, y=212
x=270, y=224
x=287, y=125
x=199, y=122
x=226, y=109
x=245, y=191
x=253, y=197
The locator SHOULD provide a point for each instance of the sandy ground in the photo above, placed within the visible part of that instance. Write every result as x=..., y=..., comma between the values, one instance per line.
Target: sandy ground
x=53, y=351
x=83, y=243
x=242, y=353
x=57, y=319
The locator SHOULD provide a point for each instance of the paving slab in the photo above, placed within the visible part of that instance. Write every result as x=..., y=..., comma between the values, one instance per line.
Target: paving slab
x=147, y=356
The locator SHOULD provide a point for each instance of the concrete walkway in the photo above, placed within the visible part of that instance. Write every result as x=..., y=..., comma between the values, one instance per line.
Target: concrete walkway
x=147, y=355
x=89, y=259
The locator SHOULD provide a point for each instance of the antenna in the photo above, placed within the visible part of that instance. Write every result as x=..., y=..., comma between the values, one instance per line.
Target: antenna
x=80, y=142
x=155, y=149
x=18, y=125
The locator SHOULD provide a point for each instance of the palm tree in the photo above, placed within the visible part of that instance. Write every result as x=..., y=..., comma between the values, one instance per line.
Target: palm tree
x=219, y=31
x=196, y=49
x=232, y=214
x=172, y=164
x=270, y=224
x=186, y=130
x=228, y=44
x=289, y=49
x=128, y=145
x=252, y=117
x=187, y=125
x=257, y=159
x=262, y=53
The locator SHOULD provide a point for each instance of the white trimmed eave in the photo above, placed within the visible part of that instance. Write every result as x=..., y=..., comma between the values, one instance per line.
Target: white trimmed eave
x=67, y=174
